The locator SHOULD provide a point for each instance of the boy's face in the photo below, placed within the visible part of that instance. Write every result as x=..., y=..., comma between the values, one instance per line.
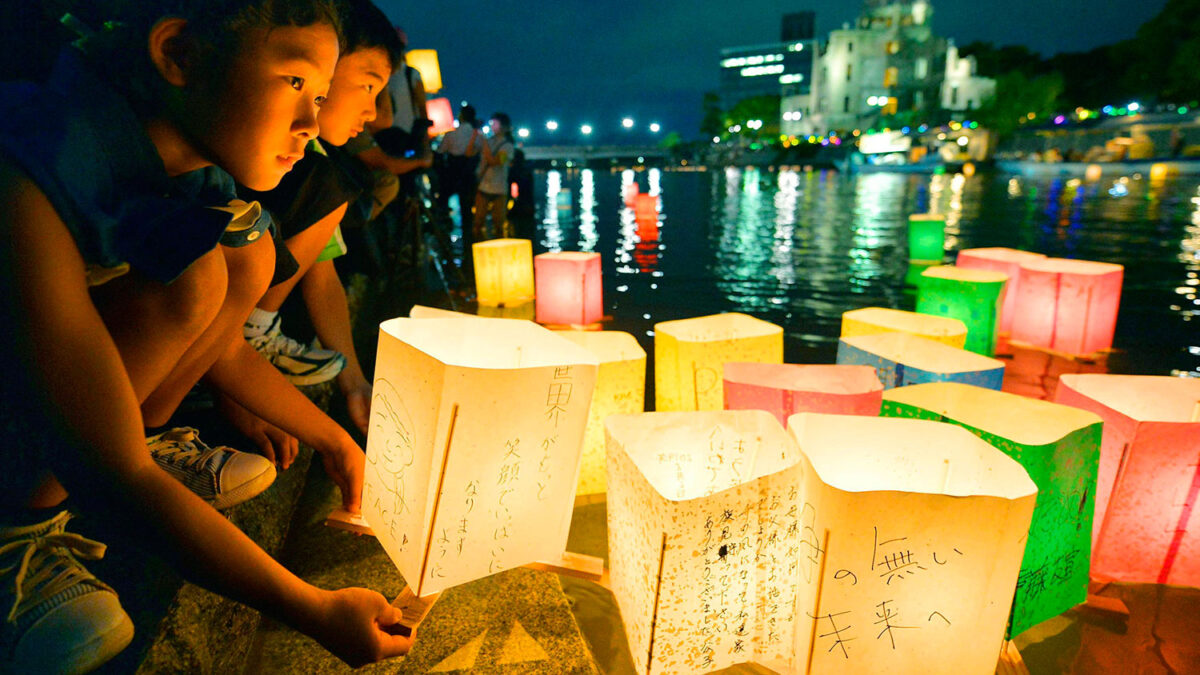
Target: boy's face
x=266, y=104
x=357, y=80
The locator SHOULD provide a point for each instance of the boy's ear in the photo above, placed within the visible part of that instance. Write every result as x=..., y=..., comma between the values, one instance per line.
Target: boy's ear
x=169, y=50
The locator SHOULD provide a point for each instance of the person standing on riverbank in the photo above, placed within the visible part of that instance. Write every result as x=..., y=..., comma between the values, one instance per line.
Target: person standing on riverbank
x=492, y=196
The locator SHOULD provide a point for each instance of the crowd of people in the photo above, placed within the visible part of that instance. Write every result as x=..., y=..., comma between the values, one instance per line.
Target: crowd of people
x=185, y=166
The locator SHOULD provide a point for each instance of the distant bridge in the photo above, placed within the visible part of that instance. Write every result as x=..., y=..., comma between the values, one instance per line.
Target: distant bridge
x=595, y=154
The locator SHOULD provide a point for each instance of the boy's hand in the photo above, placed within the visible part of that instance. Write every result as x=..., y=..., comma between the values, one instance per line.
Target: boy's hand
x=273, y=443
x=345, y=464
x=355, y=624
x=358, y=403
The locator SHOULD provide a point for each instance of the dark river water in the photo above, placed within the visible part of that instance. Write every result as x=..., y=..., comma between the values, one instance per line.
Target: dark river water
x=799, y=248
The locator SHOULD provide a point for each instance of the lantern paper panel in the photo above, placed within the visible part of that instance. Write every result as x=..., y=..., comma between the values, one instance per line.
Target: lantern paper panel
x=568, y=288
x=645, y=207
x=917, y=528
x=1145, y=530
x=926, y=236
x=972, y=296
x=784, y=389
x=874, y=320
x=1004, y=260
x=474, y=446
x=689, y=354
x=1069, y=306
x=620, y=390
x=503, y=271
x=1059, y=446
x=900, y=359
x=425, y=312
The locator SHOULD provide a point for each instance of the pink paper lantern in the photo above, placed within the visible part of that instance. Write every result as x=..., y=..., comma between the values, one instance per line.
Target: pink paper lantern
x=1006, y=260
x=1149, y=478
x=629, y=193
x=1068, y=306
x=784, y=389
x=645, y=207
x=441, y=114
x=568, y=288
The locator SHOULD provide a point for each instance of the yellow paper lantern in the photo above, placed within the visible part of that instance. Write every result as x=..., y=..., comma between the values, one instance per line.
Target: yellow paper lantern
x=689, y=355
x=474, y=446
x=620, y=390
x=503, y=271
x=875, y=320
x=426, y=63
x=810, y=551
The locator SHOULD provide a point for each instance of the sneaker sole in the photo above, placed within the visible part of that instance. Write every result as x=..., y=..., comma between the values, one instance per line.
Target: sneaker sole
x=316, y=377
x=245, y=491
x=83, y=658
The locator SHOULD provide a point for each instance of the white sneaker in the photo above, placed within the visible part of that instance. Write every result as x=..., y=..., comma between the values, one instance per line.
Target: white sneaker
x=221, y=476
x=303, y=366
x=61, y=618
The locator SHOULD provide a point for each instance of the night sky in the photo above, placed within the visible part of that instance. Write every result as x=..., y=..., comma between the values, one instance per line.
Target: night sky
x=595, y=62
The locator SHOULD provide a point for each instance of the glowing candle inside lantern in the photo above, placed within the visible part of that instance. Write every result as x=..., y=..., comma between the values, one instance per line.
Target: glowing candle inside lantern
x=503, y=271
x=875, y=320
x=1060, y=448
x=969, y=295
x=1145, y=529
x=568, y=288
x=689, y=354
x=786, y=389
x=1006, y=260
x=1068, y=305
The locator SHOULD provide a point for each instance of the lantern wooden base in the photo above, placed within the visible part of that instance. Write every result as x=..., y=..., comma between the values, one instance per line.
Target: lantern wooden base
x=413, y=610
x=1010, y=662
x=351, y=522
x=586, y=567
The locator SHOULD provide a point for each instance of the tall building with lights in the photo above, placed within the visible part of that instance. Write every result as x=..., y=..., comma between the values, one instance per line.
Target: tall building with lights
x=771, y=68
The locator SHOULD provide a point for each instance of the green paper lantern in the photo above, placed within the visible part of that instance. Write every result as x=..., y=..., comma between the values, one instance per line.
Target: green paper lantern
x=1059, y=446
x=926, y=236
x=969, y=295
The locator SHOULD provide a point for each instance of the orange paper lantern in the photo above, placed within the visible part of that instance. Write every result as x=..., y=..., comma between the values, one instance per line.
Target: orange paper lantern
x=568, y=288
x=784, y=389
x=645, y=207
x=1149, y=477
x=1006, y=260
x=1069, y=306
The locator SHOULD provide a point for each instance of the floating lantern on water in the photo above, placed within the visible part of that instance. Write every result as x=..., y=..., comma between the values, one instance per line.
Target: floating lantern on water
x=425, y=61
x=424, y=312
x=1060, y=448
x=645, y=207
x=620, y=390
x=926, y=236
x=689, y=354
x=900, y=359
x=629, y=192
x=1149, y=475
x=969, y=295
x=503, y=271
x=1007, y=261
x=784, y=389
x=1069, y=306
x=1093, y=173
x=875, y=320
x=568, y=288
x=473, y=452
x=857, y=544
x=440, y=114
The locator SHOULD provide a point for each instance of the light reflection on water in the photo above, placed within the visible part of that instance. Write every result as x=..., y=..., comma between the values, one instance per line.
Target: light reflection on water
x=799, y=248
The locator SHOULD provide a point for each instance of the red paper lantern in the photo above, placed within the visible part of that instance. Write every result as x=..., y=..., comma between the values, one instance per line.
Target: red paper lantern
x=784, y=389
x=568, y=288
x=441, y=114
x=1149, y=477
x=645, y=207
x=1069, y=306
